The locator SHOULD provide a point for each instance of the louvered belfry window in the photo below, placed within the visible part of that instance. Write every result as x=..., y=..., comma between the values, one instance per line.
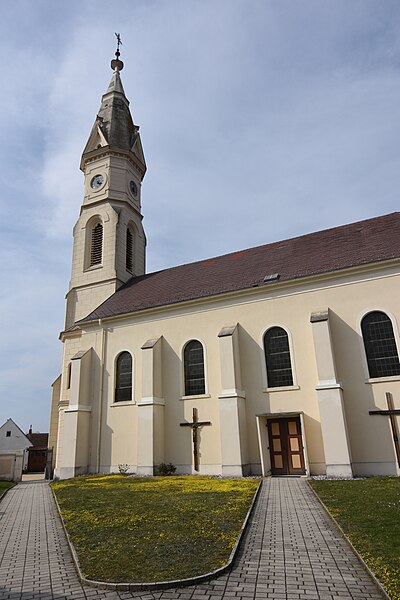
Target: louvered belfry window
x=123, y=380
x=96, y=248
x=194, y=369
x=277, y=357
x=129, y=250
x=380, y=345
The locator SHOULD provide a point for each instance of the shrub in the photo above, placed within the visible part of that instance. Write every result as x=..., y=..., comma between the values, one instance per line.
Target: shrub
x=123, y=469
x=166, y=469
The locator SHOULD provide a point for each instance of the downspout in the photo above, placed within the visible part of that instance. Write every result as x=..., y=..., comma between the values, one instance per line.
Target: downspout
x=103, y=340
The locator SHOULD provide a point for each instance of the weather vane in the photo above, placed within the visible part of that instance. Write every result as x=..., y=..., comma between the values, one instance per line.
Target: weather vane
x=119, y=43
x=116, y=64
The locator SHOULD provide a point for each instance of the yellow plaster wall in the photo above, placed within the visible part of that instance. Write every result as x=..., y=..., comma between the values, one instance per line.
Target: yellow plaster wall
x=348, y=299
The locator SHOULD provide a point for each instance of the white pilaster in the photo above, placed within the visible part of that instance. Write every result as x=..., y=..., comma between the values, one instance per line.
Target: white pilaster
x=232, y=407
x=75, y=455
x=151, y=410
x=330, y=400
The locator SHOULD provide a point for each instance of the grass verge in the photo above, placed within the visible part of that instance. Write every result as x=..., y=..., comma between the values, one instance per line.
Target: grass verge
x=128, y=529
x=5, y=485
x=368, y=511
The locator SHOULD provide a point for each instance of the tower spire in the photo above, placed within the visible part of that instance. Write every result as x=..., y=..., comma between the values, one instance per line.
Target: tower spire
x=114, y=127
x=116, y=64
x=109, y=234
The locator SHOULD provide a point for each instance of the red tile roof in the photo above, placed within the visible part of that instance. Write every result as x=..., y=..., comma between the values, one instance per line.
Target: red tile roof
x=361, y=243
x=38, y=440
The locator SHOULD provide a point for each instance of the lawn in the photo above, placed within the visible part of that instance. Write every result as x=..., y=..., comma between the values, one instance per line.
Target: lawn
x=5, y=485
x=368, y=510
x=131, y=529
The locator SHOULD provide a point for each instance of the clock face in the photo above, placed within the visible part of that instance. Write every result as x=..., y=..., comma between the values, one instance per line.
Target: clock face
x=96, y=182
x=133, y=188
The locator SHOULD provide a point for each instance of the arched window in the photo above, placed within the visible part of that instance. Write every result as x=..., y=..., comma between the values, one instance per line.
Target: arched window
x=380, y=345
x=129, y=250
x=193, y=358
x=123, y=379
x=277, y=358
x=96, y=245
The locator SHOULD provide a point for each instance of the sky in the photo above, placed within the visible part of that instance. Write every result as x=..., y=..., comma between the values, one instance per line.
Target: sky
x=260, y=120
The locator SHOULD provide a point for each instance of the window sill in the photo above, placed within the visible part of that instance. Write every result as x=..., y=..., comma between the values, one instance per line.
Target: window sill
x=93, y=268
x=124, y=403
x=286, y=388
x=383, y=379
x=195, y=397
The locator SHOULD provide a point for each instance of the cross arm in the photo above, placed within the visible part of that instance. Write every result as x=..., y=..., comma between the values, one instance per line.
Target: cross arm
x=395, y=411
x=198, y=424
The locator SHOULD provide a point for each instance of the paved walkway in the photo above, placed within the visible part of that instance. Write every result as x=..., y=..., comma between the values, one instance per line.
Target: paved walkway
x=290, y=552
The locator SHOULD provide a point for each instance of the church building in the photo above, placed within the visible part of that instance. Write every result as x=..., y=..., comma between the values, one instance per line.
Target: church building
x=276, y=360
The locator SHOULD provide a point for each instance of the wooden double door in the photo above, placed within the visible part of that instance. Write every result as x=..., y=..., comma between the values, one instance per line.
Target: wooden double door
x=286, y=446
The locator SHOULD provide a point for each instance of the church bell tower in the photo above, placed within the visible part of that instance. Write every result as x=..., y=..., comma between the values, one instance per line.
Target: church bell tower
x=109, y=240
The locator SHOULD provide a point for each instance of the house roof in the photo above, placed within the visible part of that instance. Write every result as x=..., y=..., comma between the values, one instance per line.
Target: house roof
x=365, y=242
x=7, y=424
x=38, y=440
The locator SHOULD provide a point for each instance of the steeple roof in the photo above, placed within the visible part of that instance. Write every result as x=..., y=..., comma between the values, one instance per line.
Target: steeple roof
x=114, y=126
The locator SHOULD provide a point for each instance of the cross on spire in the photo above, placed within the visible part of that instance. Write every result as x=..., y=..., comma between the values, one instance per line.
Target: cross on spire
x=116, y=64
x=119, y=43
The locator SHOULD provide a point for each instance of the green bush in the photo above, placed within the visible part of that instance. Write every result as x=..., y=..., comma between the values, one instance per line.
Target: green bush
x=166, y=469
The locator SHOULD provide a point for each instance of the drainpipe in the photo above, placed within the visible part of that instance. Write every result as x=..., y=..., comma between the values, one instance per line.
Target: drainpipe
x=103, y=341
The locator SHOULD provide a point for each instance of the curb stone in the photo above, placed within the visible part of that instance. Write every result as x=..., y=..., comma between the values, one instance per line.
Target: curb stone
x=349, y=542
x=158, y=585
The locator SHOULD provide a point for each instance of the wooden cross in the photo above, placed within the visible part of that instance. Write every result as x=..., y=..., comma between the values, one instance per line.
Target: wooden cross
x=195, y=424
x=391, y=413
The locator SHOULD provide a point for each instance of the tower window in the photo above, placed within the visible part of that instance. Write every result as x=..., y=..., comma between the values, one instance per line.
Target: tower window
x=277, y=357
x=194, y=369
x=123, y=380
x=129, y=250
x=380, y=345
x=69, y=368
x=96, y=248
x=8, y=433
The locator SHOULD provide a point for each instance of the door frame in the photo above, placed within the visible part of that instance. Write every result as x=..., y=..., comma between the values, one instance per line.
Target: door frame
x=263, y=440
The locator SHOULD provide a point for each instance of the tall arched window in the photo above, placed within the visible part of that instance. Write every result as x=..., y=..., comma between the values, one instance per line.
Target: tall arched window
x=380, y=345
x=129, y=250
x=96, y=245
x=277, y=358
x=193, y=358
x=123, y=379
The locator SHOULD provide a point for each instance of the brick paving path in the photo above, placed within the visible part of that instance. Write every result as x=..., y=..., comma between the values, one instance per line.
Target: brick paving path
x=290, y=552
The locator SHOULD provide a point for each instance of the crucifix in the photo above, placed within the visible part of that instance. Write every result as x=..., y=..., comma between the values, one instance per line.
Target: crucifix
x=195, y=424
x=391, y=413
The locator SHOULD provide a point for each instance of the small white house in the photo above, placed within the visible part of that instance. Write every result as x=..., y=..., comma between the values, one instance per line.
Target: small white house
x=12, y=438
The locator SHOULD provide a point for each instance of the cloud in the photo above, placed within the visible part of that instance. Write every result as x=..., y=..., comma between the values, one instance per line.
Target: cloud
x=259, y=120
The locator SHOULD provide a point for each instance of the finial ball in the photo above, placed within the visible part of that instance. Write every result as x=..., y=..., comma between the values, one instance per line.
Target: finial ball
x=117, y=65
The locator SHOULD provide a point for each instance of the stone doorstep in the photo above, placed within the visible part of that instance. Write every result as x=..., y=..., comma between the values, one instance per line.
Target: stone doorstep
x=159, y=585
